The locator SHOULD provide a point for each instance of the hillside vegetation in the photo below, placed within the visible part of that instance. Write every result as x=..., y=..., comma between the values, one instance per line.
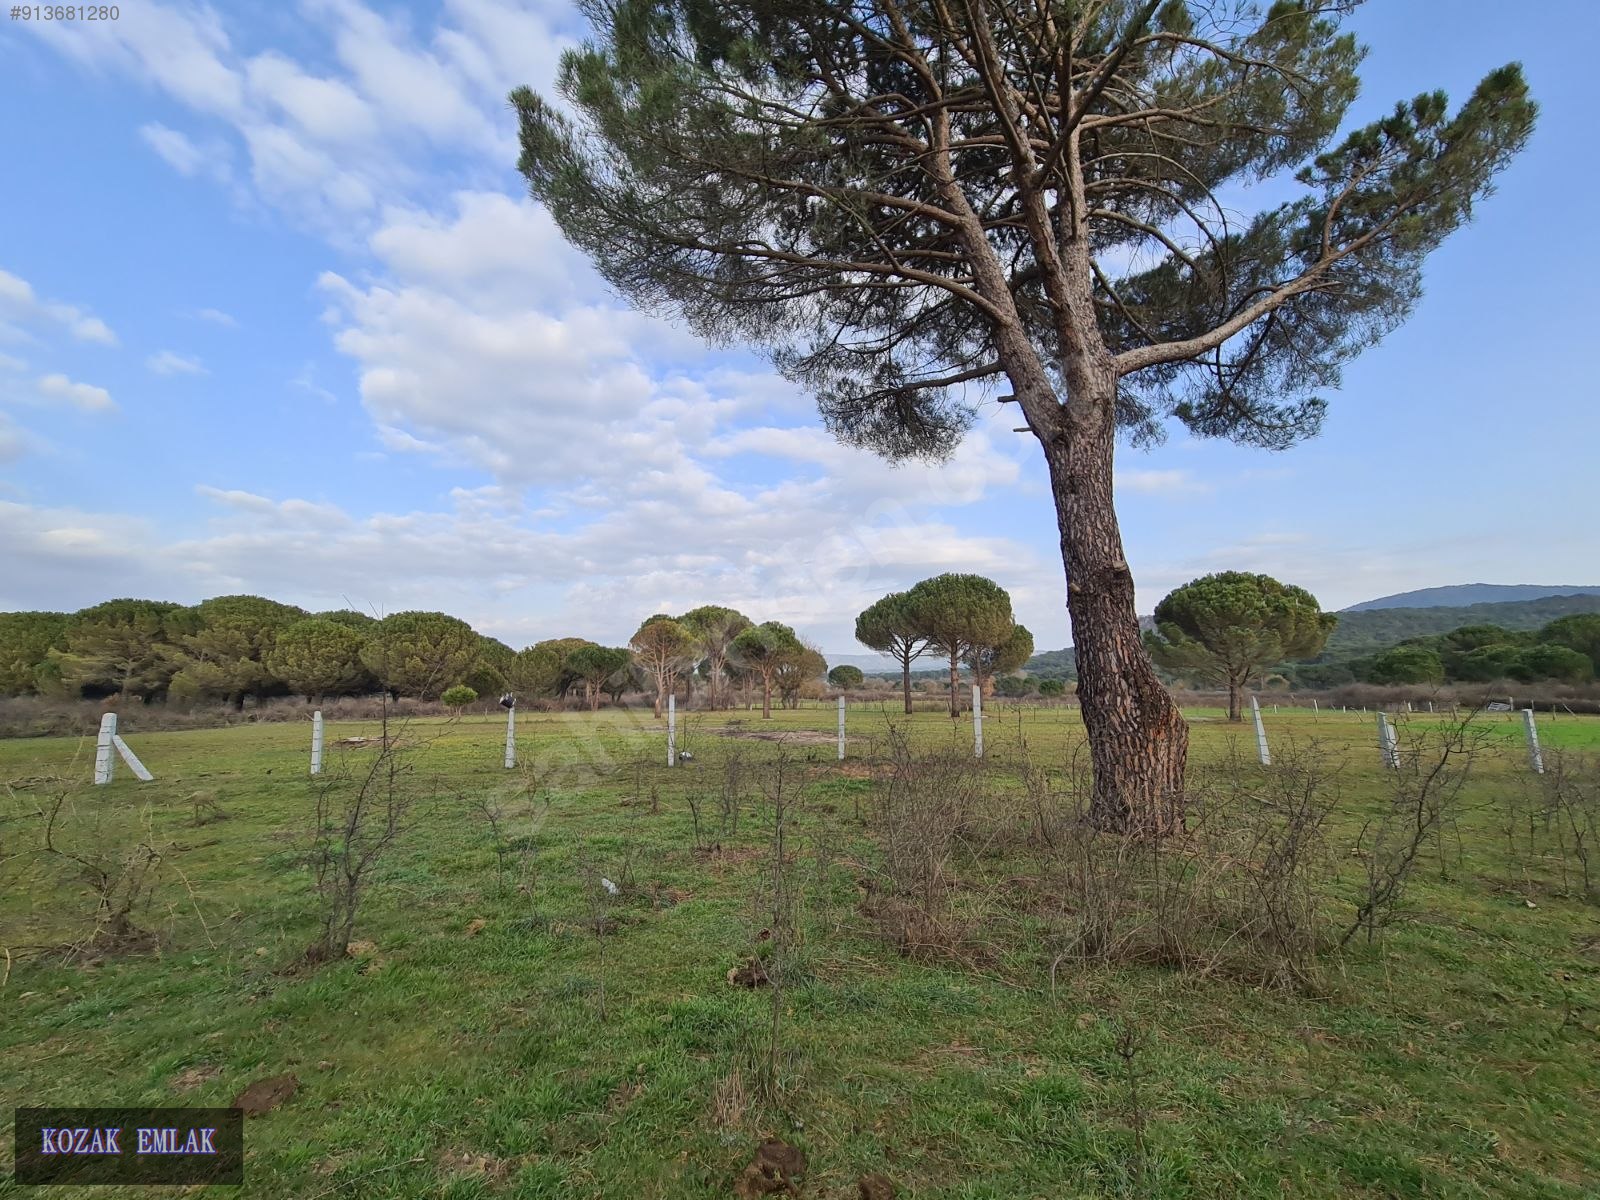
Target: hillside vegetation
x=1365, y=632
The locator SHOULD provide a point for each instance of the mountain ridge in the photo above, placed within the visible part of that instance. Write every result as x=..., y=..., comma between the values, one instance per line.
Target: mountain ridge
x=1460, y=595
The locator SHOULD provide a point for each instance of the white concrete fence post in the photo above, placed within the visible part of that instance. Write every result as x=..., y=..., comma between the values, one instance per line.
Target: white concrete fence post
x=104, y=763
x=1261, y=734
x=316, y=742
x=672, y=730
x=841, y=728
x=511, y=737
x=108, y=746
x=1535, y=758
x=977, y=721
x=1388, y=743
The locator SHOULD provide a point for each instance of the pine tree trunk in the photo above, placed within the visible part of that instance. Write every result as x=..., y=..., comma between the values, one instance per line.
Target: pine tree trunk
x=766, y=697
x=905, y=679
x=955, y=682
x=1235, y=702
x=1137, y=738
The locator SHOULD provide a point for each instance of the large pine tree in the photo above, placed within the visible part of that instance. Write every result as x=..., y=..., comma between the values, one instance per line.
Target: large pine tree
x=906, y=199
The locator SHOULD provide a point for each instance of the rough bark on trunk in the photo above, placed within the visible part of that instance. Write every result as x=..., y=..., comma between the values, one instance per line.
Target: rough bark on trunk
x=766, y=697
x=1137, y=738
x=1235, y=702
x=955, y=683
x=905, y=679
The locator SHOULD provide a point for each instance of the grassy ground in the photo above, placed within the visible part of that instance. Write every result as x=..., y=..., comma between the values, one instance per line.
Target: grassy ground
x=490, y=1044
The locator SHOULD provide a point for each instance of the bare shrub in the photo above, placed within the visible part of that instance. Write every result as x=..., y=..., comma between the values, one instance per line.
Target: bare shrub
x=1567, y=807
x=780, y=786
x=925, y=814
x=1238, y=893
x=121, y=875
x=597, y=891
x=355, y=818
x=490, y=813
x=732, y=795
x=1426, y=789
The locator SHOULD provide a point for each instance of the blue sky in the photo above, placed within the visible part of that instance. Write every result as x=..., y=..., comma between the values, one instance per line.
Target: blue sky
x=276, y=317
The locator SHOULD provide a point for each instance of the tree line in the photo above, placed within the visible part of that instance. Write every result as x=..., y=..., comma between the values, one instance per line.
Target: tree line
x=233, y=648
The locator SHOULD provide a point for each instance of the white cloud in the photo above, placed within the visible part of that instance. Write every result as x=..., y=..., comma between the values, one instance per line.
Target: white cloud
x=324, y=145
x=411, y=85
x=179, y=153
x=19, y=303
x=170, y=363
x=326, y=109
x=183, y=51
x=217, y=317
x=491, y=248
x=83, y=395
x=1160, y=482
x=212, y=160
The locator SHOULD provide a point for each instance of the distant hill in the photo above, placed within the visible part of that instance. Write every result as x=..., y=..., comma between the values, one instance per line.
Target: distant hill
x=1367, y=631
x=1461, y=595
x=1053, y=664
x=1063, y=664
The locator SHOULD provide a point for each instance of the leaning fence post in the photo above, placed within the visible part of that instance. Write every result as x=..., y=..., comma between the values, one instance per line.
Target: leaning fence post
x=1261, y=734
x=1388, y=742
x=672, y=730
x=104, y=762
x=1535, y=758
x=977, y=721
x=841, y=728
x=132, y=759
x=316, y=742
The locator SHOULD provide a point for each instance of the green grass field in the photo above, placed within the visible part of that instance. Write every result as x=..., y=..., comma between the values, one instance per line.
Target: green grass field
x=490, y=1044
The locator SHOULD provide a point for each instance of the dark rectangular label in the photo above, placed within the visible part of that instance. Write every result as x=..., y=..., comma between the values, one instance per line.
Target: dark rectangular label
x=129, y=1145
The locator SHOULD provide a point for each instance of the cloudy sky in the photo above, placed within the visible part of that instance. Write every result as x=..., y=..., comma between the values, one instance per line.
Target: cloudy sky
x=277, y=317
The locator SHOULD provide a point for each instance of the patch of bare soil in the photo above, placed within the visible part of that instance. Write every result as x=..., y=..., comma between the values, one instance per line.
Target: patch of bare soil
x=873, y=1186
x=264, y=1095
x=361, y=743
x=775, y=1168
x=751, y=975
x=193, y=1077
x=732, y=856
x=463, y=1164
x=787, y=737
